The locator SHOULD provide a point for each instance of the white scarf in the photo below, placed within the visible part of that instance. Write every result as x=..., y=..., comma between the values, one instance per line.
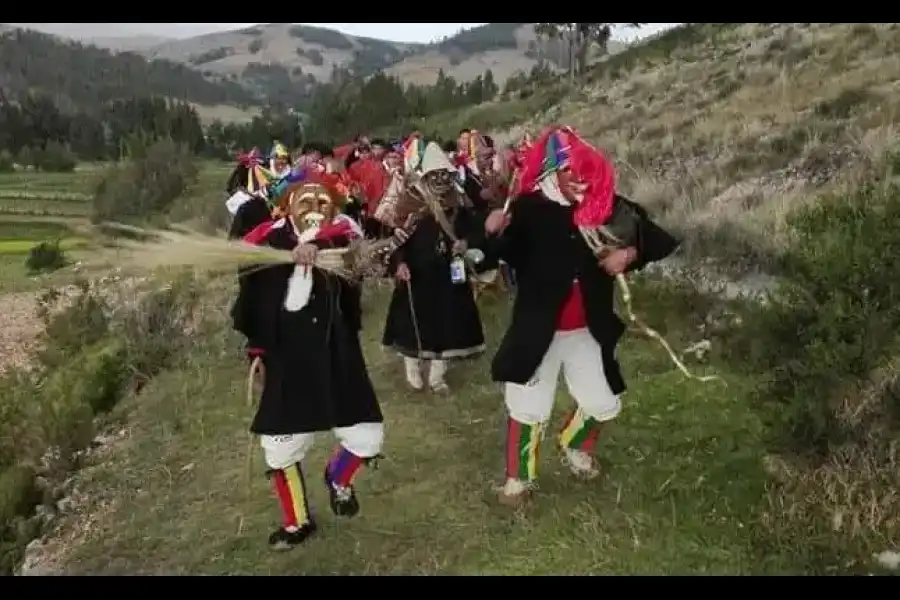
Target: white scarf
x=301, y=281
x=549, y=186
x=300, y=284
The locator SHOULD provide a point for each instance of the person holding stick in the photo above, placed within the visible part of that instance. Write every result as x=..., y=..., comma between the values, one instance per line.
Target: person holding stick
x=433, y=317
x=303, y=322
x=563, y=318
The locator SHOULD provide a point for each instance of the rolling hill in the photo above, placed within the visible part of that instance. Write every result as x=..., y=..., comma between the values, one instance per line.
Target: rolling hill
x=85, y=76
x=279, y=63
x=314, y=53
x=119, y=37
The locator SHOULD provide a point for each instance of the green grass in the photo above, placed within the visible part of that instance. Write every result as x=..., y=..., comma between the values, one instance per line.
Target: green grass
x=8, y=247
x=14, y=276
x=26, y=229
x=43, y=207
x=25, y=182
x=35, y=207
x=682, y=480
x=32, y=196
x=29, y=194
x=19, y=234
x=80, y=184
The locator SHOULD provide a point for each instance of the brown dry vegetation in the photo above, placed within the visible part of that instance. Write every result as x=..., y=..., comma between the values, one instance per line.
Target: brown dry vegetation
x=725, y=129
x=225, y=114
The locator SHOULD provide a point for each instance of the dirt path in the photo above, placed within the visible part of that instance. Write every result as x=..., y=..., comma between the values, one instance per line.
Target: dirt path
x=19, y=329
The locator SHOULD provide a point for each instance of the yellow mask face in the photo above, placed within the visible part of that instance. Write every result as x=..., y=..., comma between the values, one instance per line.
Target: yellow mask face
x=312, y=206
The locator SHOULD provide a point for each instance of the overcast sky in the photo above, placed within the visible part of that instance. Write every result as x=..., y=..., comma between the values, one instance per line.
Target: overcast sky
x=401, y=32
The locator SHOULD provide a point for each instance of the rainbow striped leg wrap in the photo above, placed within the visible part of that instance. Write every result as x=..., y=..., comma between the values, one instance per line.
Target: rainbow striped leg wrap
x=522, y=450
x=343, y=466
x=290, y=489
x=580, y=432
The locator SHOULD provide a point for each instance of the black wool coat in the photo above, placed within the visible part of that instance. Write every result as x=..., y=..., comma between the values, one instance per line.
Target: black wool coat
x=316, y=377
x=548, y=254
x=431, y=317
x=251, y=213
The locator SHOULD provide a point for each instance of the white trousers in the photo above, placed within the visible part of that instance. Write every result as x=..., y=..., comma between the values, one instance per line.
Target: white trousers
x=281, y=451
x=578, y=355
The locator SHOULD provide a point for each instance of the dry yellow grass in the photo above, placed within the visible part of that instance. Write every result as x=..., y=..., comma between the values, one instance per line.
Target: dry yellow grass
x=723, y=136
x=224, y=113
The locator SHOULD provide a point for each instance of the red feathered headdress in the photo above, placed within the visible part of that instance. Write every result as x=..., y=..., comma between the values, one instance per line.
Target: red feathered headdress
x=333, y=182
x=251, y=158
x=342, y=152
x=561, y=148
x=372, y=178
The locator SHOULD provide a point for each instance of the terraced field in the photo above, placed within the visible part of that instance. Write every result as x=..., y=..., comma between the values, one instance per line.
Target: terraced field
x=36, y=207
x=28, y=194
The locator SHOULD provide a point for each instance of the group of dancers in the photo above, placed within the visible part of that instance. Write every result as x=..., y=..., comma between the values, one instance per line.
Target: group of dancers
x=451, y=215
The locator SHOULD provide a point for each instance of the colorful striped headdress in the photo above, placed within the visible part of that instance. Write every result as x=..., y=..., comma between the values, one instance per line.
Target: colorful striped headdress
x=561, y=148
x=281, y=188
x=471, y=149
x=279, y=150
x=413, y=151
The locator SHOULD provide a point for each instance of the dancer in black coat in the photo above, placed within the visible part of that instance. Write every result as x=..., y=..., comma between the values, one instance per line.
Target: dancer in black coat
x=303, y=323
x=563, y=318
x=432, y=315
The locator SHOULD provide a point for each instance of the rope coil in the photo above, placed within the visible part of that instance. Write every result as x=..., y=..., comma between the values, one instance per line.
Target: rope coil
x=595, y=241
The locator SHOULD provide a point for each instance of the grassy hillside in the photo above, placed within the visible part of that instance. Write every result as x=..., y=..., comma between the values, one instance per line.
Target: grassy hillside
x=85, y=76
x=303, y=50
x=281, y=62
x=723, y=129
x=429, y=507
x=767, y=146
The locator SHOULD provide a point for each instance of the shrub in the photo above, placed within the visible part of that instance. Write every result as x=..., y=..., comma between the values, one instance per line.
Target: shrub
x=83, y=322
x=160, y=326
x=18, y=495
x=25, y=157
x=146, y=185
x=7, y=162
x=315, y=57
x=97, y=348
x=836, y=316
x=55, y=158
x=45, y=256
x=828, y=342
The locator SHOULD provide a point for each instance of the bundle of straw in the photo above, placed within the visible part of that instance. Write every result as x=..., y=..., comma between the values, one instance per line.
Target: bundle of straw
x=191, y=249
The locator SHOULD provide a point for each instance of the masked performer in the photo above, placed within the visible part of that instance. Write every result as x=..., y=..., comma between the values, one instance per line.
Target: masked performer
x=305, y=324
x=315, y=153
x=563, y=317
x=247, y=203
x=279, y=160
x=372, y=180
x=486, y=188
x=432, y=314
x=391, y=173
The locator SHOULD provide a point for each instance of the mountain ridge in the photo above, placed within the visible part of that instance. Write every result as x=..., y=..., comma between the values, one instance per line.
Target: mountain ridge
x=309, y=54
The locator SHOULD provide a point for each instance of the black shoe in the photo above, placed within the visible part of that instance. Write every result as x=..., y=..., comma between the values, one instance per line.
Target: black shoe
x=283, y=540
x=342, y=499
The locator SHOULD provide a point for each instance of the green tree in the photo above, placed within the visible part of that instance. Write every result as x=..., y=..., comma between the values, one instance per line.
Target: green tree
x=581, y=37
